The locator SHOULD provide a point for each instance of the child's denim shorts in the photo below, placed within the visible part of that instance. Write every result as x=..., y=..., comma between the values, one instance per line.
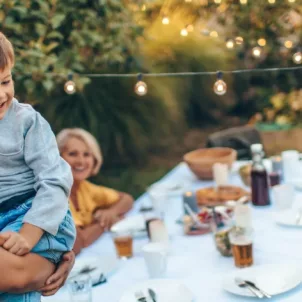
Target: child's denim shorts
x=49, y=246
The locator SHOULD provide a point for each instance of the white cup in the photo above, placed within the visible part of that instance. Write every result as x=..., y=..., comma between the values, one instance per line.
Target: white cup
x=158, y=232
x=221, y=174
x=290, y=160
x=156, y=258
x=283, y=196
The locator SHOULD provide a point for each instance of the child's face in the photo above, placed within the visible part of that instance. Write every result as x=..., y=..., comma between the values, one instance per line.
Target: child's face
x=6, y=90
x=79, y=157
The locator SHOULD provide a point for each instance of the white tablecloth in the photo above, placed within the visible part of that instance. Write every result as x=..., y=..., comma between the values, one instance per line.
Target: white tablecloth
x=194, y=260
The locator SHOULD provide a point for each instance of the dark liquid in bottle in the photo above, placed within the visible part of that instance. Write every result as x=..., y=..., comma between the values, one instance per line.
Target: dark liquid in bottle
x=260, y=188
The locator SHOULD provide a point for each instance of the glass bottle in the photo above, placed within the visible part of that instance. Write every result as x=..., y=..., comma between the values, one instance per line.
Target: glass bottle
x=259, y=177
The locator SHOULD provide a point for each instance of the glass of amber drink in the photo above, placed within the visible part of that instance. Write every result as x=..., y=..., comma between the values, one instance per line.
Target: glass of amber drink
x=242, y=246
x=123, y=242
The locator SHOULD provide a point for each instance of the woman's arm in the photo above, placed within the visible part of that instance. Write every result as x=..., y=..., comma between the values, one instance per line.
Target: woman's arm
x=23, y=274
x=123, y=205
x=87, y=235
x=107, y=217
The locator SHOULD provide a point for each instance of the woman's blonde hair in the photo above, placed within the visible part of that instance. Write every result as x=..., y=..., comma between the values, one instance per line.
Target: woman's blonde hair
x=7, y=56
x=64, y=135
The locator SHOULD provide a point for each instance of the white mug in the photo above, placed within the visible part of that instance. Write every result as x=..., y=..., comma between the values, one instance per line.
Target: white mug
x=156, y=257
x=283, y=196
x=291, y=169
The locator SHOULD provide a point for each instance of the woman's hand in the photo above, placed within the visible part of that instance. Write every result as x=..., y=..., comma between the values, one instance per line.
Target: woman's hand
x=106, y=218
x=57, y=280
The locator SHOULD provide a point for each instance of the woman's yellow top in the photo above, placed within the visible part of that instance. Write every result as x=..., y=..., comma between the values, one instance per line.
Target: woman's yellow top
x=90, y=197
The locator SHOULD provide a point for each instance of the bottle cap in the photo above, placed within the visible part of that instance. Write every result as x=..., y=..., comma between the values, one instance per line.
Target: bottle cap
x=256, y=148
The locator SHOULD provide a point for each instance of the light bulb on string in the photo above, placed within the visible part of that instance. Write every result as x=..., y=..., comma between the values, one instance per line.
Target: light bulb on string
x=140, y=87
x=70, y=86
x=291, y=1
x=229, y=43
x=214, y=34
x=243, y=1
x=256, y=52
x=165, y=20
x=239, y=40
x=184, y=32
x=144, y=7
x=271, y=1
x=261, y=42
x=288, y=44
x=297, y=57
x=220, y=87
x=217, y=1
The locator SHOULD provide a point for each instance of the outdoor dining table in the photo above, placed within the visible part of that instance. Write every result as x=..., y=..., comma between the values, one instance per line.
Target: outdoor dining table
x=194, y=260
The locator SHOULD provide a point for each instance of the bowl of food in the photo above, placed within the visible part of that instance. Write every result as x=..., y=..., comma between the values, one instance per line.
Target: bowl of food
x=201, y=161
x=245, y=174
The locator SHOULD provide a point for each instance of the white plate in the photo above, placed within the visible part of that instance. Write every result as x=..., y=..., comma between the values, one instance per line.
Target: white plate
x=165, y=289
x=272, y=278
x=104, y=265
x=135, y=224
x=288, y=218
x=171, y=189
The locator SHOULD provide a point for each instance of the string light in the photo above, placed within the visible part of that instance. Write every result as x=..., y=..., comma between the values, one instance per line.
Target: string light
x=261, y=42
x=217, y=1
x=256, y=52
x=288, y=44
x=271, y=1
x=239, y=40
x=214, y=34
x=184, y=32
x=297, y=57
x=243, y=1
x=165, y=20
x=70, y=87
x=291, y=1
x=220, y=87
x=229, y=44
x=144, y=7
x=140, y=87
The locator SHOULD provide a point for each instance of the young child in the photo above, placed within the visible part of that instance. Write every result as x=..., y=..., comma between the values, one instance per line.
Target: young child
x=35, y=181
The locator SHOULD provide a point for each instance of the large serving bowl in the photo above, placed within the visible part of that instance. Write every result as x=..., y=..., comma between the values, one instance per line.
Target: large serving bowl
x=201, y=161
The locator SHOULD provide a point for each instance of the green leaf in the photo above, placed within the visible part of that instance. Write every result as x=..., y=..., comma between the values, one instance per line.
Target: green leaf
x=40, y=29
x=48, y=84
x=55, y=35
x=57, y=20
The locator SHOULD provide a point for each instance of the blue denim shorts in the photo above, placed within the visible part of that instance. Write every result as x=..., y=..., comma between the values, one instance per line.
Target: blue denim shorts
x=49, y=246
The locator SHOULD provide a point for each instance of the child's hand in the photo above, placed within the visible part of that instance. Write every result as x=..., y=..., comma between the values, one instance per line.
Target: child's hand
x=15, y=243
x=106, y=218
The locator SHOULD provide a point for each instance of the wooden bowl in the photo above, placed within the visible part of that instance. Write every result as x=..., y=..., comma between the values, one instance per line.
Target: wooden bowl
x=201, y=161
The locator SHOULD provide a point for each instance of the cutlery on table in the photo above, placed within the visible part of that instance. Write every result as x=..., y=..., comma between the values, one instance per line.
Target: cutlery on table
x=152, y=294
x=139, y=295
x=240, y=282
x=256, y=287
x=195, y=217
x=102, y=279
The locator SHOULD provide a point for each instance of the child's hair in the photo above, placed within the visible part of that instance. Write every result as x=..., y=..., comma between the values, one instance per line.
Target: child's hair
x=7, y=56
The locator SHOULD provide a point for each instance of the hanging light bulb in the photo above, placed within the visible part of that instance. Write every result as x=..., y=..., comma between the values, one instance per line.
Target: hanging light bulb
x=144, y=7
x=243, y=1
x=229, y=43
x=70, y=86
x=291, y=1
x=271, y=1
x=217, y=1
x=297, y=57
x=140, y=87
x=188, y=1
x=220, y=87
x=165, y=20
x=256, y=52
x=239, y=40
x=184, y=32
x=261, y=42
x=288, y=44
x=214, y=34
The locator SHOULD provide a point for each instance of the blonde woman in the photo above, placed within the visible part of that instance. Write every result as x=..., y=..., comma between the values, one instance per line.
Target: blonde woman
x=94, y=208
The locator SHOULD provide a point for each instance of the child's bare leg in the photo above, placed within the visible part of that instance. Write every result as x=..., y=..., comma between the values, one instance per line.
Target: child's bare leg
x=23, y=274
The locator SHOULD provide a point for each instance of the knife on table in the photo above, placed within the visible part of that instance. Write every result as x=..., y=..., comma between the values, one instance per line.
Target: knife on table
x=152, y=294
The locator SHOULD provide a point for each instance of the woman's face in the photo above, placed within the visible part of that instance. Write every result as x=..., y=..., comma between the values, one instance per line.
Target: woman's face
x=79, y=157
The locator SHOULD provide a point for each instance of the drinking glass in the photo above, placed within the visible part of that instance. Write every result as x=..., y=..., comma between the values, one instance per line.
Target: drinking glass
x=242, y=246
x=80, y=288
x=123, y=242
